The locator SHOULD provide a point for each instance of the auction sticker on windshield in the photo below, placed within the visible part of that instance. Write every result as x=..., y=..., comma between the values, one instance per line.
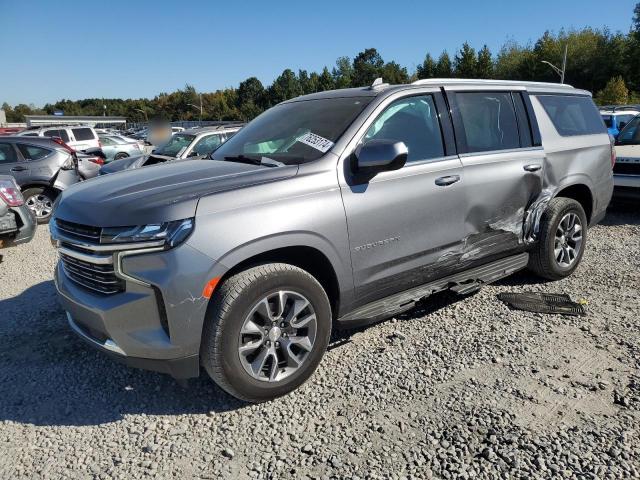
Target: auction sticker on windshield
x=316, y=141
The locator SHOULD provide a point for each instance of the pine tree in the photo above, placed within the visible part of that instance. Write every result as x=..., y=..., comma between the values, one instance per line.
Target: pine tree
x=427, y=69
x=443, y=67
x=484, y=65
x=464, y=63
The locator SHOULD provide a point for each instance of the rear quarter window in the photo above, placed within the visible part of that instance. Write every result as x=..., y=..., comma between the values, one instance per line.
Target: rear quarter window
x=573, y=115
x=31, y=152
x=83, y=134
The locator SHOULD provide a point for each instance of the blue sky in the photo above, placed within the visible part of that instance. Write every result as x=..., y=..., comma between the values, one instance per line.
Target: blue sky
x=131, y=49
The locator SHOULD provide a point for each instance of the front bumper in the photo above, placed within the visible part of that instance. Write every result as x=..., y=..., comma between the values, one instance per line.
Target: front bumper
x=155, y=321
x=25, y=223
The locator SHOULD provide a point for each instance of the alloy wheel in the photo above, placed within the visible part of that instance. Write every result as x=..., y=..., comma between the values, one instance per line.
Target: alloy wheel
x=40, y=204
x=568, y=240
x=277, y=336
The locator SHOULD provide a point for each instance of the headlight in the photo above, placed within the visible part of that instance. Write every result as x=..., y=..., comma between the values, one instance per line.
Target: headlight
x=173, y=233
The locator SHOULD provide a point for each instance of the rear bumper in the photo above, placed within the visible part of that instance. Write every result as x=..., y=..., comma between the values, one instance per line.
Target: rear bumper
x=26, y=225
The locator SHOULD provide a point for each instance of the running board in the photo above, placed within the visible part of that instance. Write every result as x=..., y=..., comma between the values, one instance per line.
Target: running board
x=462, y=283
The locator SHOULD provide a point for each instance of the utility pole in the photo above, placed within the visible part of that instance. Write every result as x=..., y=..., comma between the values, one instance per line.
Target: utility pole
x=560, y=71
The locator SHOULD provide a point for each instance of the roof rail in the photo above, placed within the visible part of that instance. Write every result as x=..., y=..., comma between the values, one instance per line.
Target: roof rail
x=617, y=108
x=471, y=81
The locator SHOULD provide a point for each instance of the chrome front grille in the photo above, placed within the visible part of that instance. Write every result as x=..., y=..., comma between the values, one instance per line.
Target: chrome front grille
x=99, y=277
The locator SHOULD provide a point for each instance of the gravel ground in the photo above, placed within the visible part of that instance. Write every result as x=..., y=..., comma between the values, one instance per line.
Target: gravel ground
x=456, y=388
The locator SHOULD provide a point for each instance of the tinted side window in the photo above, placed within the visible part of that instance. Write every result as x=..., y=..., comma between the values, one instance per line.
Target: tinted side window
x=607, y=120
x=7, y=153
x=414, y=121
x=207, y=145
x=83, y=133
x=573, y=115
x=57, y=133
x=30, y=152
x=489, y=121
x=106, y=141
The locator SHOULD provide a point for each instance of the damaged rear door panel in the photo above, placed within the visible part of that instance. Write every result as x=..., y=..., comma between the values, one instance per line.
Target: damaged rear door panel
x=503, y=167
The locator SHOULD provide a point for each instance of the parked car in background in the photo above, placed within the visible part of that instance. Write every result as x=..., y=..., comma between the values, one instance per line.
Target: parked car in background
x=626, y=172
x=77, y=137
x=116, y=147
x=333, y=209
x=616, y=117
x=42, y=167
x=191, y=144
x=17, y=221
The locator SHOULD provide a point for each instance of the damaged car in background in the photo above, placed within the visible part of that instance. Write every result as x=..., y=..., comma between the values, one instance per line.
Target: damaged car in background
x=194, y=144
x=17, y=222
x=334, y=209
x=42, y=167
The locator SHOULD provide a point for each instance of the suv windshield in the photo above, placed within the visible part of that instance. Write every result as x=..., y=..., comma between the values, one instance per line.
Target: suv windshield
x=175, y=146
x=630, y=134
x=296, y=132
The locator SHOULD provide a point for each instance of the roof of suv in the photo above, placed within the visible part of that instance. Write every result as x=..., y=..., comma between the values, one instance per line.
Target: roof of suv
x=379, y=88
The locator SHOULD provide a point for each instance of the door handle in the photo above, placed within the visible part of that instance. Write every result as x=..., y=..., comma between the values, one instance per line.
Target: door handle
x=534, y=167
x=448, y=180
x=18, y=169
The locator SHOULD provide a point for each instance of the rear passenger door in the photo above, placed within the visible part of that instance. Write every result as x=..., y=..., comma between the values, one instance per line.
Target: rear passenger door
x=502, y=159
x=402, y=224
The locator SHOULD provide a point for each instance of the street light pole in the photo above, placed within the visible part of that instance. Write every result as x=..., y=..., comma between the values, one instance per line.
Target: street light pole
x=198, y=107
x=560, y=71
x=146, y=118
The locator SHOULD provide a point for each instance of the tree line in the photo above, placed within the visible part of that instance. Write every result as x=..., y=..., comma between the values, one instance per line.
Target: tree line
x=599, y=60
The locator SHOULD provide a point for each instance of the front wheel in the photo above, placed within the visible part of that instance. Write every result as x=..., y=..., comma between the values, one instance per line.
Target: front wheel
x=266, y=331
x=562, y=239
x=40, y=202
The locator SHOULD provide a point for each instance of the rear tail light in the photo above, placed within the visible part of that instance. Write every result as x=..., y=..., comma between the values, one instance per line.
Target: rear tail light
x=60, y=142
x=97, y=160
x=10, y=193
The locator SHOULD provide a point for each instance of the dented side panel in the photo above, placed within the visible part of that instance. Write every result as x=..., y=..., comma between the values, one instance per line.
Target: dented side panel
x=501, y=188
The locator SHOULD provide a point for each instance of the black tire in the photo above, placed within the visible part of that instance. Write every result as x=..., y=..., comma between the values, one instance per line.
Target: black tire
x=120, y=155
x=232, y=303
x=542, y=260
x=40, y=194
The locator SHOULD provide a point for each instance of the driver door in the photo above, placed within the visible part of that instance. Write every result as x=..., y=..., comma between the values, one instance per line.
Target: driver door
x=404, y=224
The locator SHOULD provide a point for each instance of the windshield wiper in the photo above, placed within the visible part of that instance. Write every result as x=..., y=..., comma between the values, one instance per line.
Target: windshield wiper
x=254, y=160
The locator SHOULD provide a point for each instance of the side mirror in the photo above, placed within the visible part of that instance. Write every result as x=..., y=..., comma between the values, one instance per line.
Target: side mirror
x=379, y=156
x=96, y=152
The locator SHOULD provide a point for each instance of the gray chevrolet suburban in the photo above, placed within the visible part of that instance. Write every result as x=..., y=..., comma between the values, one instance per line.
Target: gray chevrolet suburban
x=333, y=209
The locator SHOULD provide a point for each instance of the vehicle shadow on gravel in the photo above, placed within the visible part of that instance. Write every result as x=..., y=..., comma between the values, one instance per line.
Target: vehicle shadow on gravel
x=48, y=376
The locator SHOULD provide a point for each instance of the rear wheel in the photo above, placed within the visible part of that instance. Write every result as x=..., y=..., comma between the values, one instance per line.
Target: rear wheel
x=121, y=155
x=40, y=202
x=266, y=331
x=563, y=236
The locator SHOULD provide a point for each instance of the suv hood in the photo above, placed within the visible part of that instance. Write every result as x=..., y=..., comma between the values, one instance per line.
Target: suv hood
x=160, y=194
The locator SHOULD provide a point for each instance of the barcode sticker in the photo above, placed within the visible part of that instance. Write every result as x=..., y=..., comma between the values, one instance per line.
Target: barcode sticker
x=316, y=141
